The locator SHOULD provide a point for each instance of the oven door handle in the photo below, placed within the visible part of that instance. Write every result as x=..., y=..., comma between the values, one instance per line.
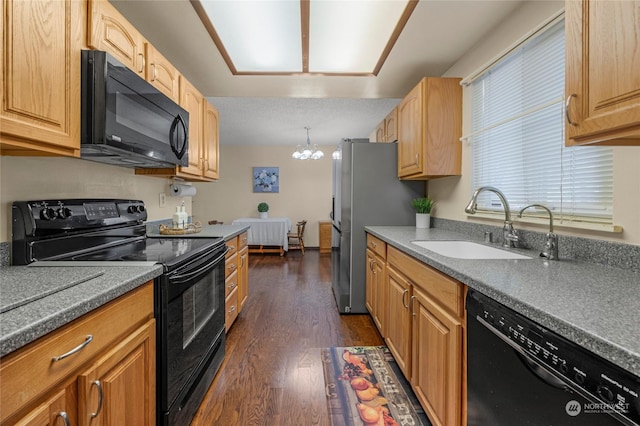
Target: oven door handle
x=181, y=278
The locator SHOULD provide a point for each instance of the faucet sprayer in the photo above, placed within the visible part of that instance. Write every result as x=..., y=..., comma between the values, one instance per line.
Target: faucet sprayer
x=551, y=245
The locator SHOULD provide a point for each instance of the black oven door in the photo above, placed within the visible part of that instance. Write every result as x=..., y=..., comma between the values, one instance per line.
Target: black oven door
x=190, y=348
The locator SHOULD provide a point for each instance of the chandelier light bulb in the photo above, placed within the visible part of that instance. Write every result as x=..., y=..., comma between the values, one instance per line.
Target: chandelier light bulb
x=307, y=151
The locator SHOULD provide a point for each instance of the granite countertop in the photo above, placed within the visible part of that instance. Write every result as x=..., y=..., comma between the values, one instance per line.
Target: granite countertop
x=208, y=231
x=81, y=289
x=592, y=305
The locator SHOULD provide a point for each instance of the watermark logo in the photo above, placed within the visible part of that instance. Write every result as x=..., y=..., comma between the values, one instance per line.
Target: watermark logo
x=573, y=408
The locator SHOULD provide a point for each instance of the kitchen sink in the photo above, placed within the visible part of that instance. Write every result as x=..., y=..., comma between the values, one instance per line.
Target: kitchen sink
x=467, y=250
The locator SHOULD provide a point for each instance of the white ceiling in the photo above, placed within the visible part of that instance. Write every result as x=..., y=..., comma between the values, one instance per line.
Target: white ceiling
x=275, y=109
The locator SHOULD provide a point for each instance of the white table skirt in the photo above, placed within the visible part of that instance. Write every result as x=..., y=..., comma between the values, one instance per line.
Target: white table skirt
x=267, y=232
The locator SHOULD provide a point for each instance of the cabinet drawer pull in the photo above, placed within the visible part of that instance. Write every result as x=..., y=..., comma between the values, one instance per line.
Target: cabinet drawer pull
x=567, y=114
x=403, y=294
x=373, y=244
x=232, y=286
x=232, y=310
x=232, y=248
x=232, y=266
x=77, y=349
x=100, y=395
x=65, y=418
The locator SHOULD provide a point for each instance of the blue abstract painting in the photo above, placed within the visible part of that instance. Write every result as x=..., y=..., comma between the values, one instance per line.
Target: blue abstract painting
x=266, y=179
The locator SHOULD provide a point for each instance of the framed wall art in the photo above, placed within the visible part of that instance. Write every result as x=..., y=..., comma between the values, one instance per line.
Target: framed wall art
x=266, y=179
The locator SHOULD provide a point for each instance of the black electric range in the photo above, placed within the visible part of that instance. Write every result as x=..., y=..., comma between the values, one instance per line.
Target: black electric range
x=188, y=296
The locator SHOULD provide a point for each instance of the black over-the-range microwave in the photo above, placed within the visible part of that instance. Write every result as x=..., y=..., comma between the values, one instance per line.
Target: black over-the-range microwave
x=126, y=121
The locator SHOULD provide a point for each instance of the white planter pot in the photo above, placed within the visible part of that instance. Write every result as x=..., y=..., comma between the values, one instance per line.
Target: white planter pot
x=423, y=220
x=264, y=215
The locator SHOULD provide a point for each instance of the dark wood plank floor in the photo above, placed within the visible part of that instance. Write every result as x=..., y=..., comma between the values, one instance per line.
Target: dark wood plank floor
x=272, y=373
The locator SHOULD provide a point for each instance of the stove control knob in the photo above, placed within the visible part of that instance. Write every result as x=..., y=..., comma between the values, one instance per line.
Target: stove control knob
x=64, y=212
x=606, y=393
x=133, y=208
x=47, y=213
x=141, y=208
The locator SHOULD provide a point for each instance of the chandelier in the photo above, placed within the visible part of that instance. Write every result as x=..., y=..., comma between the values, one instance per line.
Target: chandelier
x=308, y=151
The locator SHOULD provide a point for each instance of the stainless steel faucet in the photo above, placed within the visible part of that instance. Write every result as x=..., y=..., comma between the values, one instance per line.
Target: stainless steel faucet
x=550, y=250
x=509, y=234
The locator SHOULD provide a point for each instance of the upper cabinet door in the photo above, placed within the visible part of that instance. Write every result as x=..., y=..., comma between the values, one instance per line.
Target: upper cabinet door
x=210, y=141
x=193, y=102
x=391, y=126
x=41, y=76
x=410, y=133
x=111, y=32
x=161, y=73
x=602, y=72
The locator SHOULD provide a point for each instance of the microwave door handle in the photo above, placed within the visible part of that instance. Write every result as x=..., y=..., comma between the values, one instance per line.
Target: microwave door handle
x=174, y=133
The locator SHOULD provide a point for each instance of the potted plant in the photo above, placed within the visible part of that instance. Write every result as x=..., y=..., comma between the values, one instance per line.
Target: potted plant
x=423, y=207
x=263, y=208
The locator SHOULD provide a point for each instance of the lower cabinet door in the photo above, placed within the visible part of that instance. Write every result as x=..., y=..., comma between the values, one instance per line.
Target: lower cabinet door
x=119, y=389
x=59, y=409
x=436, y=373
x=398, y=327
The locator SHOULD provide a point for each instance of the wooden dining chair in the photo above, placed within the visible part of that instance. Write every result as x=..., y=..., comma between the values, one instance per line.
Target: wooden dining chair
x=296, y=241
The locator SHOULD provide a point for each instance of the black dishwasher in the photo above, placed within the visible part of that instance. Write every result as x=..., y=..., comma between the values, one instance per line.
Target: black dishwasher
x=519, y=373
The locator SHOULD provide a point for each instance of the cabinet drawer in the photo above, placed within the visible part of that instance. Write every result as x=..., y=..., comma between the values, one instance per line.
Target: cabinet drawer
x=378, y=246
x=243, y=240
x=231, y=282
x=29, y=372
x=232, y=245
x=231, y=308
x=446, y=291
x=230, y=265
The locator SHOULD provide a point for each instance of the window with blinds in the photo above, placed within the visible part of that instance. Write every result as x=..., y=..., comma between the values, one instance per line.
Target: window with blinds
x=517, y=138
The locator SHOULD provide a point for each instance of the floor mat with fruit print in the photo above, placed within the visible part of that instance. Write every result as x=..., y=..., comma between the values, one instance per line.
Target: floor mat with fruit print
x=364, y=386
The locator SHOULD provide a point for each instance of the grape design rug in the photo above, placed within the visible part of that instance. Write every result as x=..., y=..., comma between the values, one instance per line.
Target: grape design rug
x=364, y=386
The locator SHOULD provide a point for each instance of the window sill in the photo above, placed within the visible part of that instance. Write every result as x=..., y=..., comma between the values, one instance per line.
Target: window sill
x=557, y=223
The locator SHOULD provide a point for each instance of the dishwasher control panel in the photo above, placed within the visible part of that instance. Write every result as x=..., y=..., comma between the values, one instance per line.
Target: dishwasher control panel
x=608, y=386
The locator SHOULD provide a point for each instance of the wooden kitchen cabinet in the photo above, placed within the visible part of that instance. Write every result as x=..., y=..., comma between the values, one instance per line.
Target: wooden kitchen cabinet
x=41, y=43
x=210, y=141
x=193, y=101
x=602, y=86
x=387, y=130
x=111, y=32
x=398, y=333
x=325, y=230
x=425, y=333
x=115, y=391
x=376, y=283
x=161, y=73
x=429, y=130
x=236, y=277
x=436, y=367
x=120, y=353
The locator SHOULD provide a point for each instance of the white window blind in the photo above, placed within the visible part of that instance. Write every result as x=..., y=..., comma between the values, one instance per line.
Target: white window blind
x=517, y=138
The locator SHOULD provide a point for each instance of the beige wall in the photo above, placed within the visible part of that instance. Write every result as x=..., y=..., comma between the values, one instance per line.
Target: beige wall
x=33, y=178
x=453, y=193
x=305, y=187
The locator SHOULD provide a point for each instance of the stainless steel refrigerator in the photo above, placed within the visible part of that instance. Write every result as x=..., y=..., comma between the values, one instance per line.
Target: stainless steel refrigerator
x=366, y=192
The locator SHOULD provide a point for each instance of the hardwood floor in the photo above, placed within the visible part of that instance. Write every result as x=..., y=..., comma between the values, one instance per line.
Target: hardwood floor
x=272, y=373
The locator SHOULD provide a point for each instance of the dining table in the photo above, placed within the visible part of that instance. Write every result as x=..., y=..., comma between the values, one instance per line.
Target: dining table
x=267, y=235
